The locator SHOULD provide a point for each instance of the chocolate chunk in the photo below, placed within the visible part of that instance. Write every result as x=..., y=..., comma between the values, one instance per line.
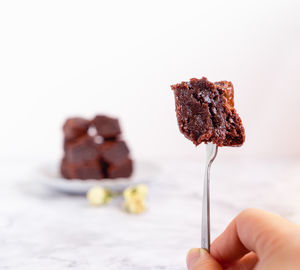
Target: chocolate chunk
x=75, y=127
x=107, y=127
x=65, y=169
x=113, y=152
x=123, y=169
x=205, y=112
x=82, y=150
x=90, y=170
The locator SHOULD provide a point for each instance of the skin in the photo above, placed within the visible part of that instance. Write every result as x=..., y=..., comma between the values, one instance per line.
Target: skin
x=254, y=239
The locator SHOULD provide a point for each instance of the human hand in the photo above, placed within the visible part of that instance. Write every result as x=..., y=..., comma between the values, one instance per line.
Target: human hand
x=255, y=239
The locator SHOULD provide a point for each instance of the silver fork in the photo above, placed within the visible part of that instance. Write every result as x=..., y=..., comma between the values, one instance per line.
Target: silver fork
x=211, y=153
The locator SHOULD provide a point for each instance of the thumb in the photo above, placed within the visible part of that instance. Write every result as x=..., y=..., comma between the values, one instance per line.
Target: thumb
x=200, y=259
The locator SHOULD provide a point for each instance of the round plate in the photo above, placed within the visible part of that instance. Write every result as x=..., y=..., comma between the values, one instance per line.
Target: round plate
x=144, y=172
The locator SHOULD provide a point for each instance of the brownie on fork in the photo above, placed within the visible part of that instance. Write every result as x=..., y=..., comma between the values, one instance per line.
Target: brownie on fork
x=205, y=112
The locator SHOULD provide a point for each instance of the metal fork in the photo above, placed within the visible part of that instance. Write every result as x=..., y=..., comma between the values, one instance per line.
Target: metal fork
x=211, y=153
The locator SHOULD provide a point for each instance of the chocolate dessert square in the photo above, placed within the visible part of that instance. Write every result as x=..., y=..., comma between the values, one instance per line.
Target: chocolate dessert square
x=75, y=127
x=113, y=152
x=82, y=150
x=123, y=169
x=65, y=169
x=93, y=149
x=205, y=112
x=88, y=171
x=107, y=127
x=91, y=170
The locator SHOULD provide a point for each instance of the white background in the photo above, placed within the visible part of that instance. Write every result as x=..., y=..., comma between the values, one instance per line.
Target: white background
x=65, y=58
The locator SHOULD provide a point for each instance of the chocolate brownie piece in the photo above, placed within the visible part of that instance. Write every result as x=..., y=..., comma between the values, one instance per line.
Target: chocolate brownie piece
x=82, y=150
x=75, y=127
x=65, y=169
x=115, y=156
x=205, y=112
x=122, y=169
x=90, y=170
x=107, y=127
x=113, y=152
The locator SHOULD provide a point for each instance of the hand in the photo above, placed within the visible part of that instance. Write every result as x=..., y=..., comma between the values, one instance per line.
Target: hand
x=255, y=239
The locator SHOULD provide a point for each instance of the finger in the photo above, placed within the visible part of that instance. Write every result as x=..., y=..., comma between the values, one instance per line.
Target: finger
x=252, y=230
x=228, y=248
x=200, y=259
x=246, y=263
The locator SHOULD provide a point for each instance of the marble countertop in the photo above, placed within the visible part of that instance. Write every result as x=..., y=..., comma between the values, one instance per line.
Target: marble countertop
x=43, y=229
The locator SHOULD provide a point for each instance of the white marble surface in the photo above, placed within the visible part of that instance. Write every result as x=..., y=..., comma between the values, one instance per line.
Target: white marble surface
x=43, y=229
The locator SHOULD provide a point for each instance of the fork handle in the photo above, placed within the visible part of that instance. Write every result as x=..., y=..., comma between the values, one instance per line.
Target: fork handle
x=205, y=236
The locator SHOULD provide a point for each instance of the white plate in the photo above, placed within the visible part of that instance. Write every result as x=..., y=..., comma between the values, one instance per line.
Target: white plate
x=49, y=175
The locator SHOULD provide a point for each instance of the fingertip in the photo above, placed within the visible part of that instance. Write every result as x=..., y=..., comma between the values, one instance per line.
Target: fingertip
x=192, y=256
x=199, y=258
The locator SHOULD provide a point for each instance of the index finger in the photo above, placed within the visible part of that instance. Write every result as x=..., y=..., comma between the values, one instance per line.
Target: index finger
x=252, y=230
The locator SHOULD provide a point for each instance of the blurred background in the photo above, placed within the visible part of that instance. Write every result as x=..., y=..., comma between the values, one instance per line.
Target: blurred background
x=69, y=58
x=66, y=58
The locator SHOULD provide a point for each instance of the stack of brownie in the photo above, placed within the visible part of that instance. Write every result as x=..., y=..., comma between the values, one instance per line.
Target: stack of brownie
x=93, y=149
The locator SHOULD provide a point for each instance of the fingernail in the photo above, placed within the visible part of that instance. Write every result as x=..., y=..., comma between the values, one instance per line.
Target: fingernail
x=203, y=252
x=193, y=255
